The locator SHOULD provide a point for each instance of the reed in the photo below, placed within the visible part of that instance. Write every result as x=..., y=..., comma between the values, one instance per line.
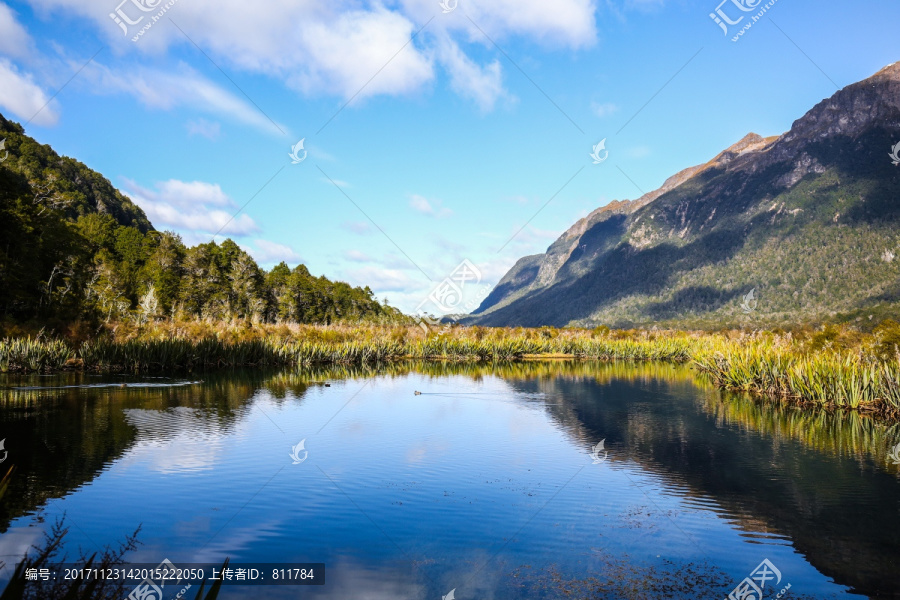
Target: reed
x=34, y=354
x=829, y=368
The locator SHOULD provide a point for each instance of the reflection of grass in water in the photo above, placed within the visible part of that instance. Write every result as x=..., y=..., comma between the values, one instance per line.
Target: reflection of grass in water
x=833, y=432
x=599, y=371
x=621, y=579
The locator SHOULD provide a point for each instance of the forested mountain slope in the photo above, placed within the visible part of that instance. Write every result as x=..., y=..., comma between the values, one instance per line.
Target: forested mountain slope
x=74, y=248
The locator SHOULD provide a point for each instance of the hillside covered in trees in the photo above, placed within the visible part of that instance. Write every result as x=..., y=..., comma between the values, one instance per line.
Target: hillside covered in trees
x=74, y=248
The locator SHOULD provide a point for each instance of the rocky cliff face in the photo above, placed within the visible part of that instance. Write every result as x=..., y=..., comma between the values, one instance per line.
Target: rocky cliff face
x=692, y=248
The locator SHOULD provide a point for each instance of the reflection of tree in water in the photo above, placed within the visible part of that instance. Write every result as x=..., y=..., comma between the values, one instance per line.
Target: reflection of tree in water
x=60, y=439
x=770, y=467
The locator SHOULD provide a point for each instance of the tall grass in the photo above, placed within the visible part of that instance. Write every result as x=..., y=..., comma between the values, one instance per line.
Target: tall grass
x=827, y=377
x=34, y=354
x=824, y=368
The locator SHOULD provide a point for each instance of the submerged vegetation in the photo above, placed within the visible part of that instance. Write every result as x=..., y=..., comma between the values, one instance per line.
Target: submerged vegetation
x=832, y=367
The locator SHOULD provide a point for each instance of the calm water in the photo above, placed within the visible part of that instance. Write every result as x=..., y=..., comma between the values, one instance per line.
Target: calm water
x=483, y=483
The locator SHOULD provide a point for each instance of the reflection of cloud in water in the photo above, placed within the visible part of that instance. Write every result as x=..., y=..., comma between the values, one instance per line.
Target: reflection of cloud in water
x=417, y=454
x=14, y=544
x=354, y=581
x=177, y=440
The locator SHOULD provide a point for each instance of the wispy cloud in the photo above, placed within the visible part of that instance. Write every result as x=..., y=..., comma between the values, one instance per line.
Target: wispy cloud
x=176, y=88
x=429, y=208
x=482, y=84
x=604, y=109
x=208, y=129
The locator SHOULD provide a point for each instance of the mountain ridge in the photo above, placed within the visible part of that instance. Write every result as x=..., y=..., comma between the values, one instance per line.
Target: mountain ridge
x=829, y=154
x=73, y=186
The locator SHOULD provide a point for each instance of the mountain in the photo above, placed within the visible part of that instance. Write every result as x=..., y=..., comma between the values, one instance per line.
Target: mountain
x=808, y=221
x=75, y=251
x=64, y=182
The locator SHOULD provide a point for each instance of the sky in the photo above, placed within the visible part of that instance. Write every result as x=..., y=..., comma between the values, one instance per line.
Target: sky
x=432, y=133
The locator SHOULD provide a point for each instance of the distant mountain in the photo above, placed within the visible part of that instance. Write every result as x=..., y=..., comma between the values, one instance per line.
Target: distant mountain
x=808, y=221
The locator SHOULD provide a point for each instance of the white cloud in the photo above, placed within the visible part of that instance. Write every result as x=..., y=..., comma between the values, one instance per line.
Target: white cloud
x=22, y=97
x=604, y=109
x=208, y=129
x=266, y=252
x=342, y=56
x=347, y=47
x=192, y=193
x=179, y=87
x=569, y=23
x=484, y=85
x=563, y=22
x=430, y=208
x=14, y=39
x=196, y=207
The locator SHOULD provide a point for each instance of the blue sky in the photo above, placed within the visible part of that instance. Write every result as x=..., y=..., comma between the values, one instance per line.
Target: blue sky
x=423, y=149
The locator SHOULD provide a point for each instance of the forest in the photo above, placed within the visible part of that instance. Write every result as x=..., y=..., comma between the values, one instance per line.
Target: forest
x=76, y=250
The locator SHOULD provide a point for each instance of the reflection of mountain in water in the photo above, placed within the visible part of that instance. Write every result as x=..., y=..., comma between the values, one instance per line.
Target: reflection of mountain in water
x=815, y=478
x=59, y=439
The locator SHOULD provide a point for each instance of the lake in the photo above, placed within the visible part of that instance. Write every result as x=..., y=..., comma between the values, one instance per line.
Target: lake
x=413, y=480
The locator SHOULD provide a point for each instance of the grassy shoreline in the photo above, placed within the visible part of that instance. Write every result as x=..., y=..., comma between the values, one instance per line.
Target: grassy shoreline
x=834, y=367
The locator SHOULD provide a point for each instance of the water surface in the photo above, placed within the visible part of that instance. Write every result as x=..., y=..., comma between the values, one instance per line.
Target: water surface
x=484, y=482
